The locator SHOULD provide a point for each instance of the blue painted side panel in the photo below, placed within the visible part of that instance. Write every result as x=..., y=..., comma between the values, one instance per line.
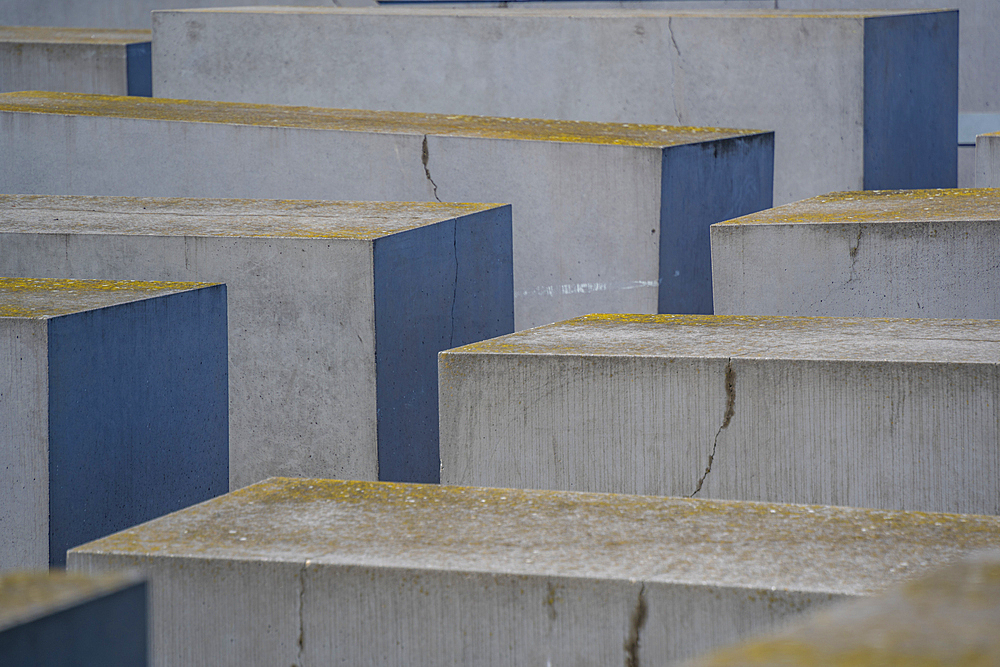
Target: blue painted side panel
x=436, y=287
x=108, y=630
x=911, y=101
x=139, y=69
x=703, y=184
x=138, y=414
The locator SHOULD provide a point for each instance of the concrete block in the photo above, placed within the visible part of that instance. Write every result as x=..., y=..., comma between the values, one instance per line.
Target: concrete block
x=857, y=99
x=298, y=571
x=112, y=409
x=130, y=14
x=75, y=60
x=893, y=414
x=988, y=160
x=54, y=618
x=949, y=617
x=910, y=253
x=337, y=310
x=606, y=217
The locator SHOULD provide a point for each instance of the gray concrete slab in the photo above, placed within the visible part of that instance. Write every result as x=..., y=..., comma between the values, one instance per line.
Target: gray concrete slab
x=606, y=217
x=857, y=99
x=75, y=60
x=52, y=618
x=949, y=617
x=293, y=571
x=909, y=253
x=337, y=310
x=114, y=408
x=894, y=414
x=988, y=160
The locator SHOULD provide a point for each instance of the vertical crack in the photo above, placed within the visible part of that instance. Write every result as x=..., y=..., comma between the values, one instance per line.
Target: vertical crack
x=853, y=251
x=675, y=64
x=730, y=411
x=302, y=624
x=636, y=622
x=425, y=157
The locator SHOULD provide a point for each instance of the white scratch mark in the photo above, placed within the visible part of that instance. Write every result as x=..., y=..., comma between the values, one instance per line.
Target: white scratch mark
x=586, y=288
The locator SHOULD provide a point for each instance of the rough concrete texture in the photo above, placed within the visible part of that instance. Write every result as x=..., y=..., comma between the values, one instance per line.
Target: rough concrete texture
x=131, y=14
x=293, y=571
x=949, y=617
x=73, y=60
x=857, y=99
x=113, y=408
x=50, y=618
x=988, y=160
x=894, y=414
x=315, y=288
x=911, y=253
x=606, y=217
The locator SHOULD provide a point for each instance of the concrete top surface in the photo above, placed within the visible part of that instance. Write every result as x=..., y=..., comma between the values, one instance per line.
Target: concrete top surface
x=355, y=120
x=755, y=337
x=559, y=533
x=950, y=617
x=577, y=12
x=271, y=218
x=44, y=35
x=36, y=298
x=883, y=206
x=27, y=595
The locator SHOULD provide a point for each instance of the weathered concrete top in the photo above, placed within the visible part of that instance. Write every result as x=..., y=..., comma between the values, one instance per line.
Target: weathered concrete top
x=272, y=218
x=25, y=596
x=558, y=533
x=354, y=120
x=883, y=206
x=36, y=298
x=525, y=10
x=757, y=337
x=45, y=35
x=950, y=617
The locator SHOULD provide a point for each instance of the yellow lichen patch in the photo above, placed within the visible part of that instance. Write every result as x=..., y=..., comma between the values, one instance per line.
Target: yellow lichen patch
x=27, y=595
x=42, y=298
x=47, y=35
x=884, y=206
x=355, y=120
x=222, y=217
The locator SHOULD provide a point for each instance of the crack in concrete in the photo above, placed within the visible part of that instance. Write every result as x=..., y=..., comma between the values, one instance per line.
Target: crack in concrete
x=425, y=157
x=853, y=251
x=636, y=623
x=730, y=411
x=674, y=65
x=302, y=624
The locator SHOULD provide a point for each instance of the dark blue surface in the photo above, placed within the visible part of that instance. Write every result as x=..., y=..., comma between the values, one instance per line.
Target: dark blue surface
x=139, y=68
x=436, y=287
x=138, y=414
x=703, y=184
x=108, y=630
x=911, y=101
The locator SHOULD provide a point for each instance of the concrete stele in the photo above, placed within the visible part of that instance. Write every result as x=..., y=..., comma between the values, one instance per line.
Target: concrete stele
x=988, y=160
x=75, y=60
x=113, y=408
x=894, y=414
x=293, y=571
x=949, y=617
x=861, y=99
x=315, y=290
x=606, y=217
x=50, y=618
x=909, y=253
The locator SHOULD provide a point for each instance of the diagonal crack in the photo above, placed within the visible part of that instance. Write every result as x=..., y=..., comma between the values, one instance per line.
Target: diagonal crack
x=853, y=251
x=730, y=411
x=425, y=157
x=675, y=63
x=636, y=622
